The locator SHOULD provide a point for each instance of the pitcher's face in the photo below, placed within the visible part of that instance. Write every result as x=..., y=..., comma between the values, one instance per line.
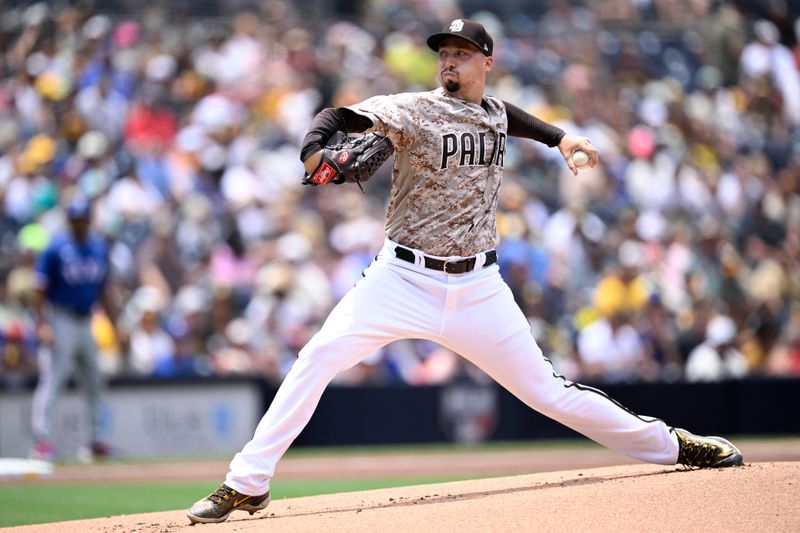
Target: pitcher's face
x=462, y=66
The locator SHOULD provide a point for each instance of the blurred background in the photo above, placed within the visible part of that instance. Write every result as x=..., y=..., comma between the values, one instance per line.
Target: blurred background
x=675, y=260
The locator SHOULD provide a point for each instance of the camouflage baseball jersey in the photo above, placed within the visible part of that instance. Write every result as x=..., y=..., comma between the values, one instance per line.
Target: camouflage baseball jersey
x=447, y=169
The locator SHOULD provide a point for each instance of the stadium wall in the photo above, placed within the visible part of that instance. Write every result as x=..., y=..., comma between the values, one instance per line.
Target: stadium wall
x=162, y=418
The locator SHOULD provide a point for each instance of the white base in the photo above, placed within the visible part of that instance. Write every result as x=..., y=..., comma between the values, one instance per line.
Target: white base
x=27, y=468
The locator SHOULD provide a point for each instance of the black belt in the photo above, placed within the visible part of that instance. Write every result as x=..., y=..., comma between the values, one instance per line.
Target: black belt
x=451, y=267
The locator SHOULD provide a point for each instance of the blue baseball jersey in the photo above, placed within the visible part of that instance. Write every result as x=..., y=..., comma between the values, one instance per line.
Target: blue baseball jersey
x=73, y=274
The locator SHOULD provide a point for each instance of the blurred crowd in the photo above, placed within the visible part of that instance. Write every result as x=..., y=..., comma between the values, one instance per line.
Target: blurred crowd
x=674, y=259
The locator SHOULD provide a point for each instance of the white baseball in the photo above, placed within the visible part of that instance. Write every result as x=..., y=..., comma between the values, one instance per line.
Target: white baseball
x=580, y=158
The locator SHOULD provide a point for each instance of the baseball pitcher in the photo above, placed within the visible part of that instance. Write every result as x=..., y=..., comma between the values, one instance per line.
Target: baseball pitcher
x=436, y=276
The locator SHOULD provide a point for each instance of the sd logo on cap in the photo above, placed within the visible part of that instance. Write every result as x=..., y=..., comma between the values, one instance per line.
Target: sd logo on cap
x=469, y=30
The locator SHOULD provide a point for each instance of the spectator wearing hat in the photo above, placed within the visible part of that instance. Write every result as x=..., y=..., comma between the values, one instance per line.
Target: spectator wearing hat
x=71, y=277
x=767, y=57
x=717, y=357
x=152, y=349
x=610, y=348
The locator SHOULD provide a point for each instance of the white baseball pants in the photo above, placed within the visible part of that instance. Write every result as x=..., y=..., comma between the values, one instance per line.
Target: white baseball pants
x=473, y=314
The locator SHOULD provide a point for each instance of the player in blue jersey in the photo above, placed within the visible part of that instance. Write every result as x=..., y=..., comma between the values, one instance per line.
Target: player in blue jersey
x=72, y=276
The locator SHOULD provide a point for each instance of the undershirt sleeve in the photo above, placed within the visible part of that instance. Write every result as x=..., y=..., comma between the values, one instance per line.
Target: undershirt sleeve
x=327, y=123
x=522, y=124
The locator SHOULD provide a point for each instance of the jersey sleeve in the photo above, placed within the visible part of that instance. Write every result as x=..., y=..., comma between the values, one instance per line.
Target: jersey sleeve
x=522, y=124
x=392, y=115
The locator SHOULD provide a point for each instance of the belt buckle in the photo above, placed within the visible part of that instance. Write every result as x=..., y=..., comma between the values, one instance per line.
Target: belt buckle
x=448, y=262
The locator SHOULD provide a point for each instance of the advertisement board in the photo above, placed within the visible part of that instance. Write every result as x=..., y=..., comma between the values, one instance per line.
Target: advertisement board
x=147, y=420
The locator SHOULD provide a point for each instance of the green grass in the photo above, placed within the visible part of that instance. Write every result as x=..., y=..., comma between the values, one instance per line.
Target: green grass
x=23, y=504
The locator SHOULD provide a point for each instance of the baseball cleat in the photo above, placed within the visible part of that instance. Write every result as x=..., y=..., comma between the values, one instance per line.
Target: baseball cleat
x=93, y=452
x=217, y=506
x=706, y=452
x=43, y=451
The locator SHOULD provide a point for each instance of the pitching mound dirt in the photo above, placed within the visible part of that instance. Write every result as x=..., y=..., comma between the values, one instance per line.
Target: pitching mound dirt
x=756, y=497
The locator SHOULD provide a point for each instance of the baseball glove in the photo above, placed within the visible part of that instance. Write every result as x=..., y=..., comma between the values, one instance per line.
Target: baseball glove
x=350, y=159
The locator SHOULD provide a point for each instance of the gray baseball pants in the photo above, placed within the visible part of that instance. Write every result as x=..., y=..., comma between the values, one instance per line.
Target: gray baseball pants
x=73, y=346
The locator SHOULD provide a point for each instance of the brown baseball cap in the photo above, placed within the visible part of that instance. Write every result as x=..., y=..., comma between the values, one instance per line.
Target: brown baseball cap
x=470, y=30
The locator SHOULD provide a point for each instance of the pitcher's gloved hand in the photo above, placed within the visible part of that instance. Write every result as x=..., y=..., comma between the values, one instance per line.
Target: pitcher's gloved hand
x=350, y=159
